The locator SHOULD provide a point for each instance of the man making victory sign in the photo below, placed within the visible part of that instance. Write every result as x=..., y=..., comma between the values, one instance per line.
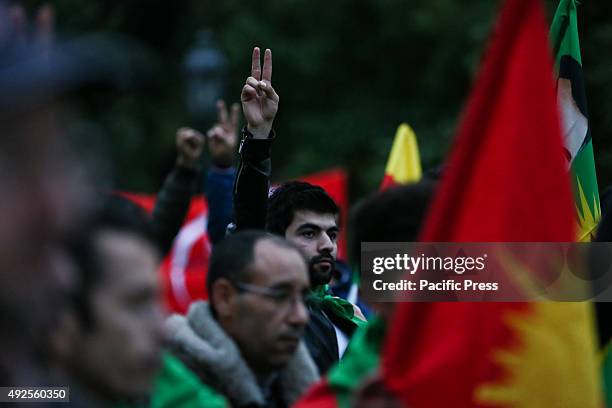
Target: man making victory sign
x=301, y=212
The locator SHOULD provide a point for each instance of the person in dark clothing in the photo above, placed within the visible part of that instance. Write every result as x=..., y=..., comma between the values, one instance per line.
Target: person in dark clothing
x=393, y=215
x=222, y=141
x=302, y=213
x=246, y=342
x=174, y=197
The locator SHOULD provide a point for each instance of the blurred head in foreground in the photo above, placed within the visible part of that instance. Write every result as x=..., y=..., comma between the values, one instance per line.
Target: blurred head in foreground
x=41, y=184
x=109, y=336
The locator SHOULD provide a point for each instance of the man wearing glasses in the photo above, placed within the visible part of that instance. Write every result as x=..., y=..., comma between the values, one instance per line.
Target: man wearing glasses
x=247, y=342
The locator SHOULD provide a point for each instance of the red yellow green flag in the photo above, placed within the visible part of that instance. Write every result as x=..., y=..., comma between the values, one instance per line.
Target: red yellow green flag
x=505, y=181
x=576, y=133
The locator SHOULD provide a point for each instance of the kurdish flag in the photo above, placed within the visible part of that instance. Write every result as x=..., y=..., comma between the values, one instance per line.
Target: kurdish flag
x=571, y=98
x=572, y=102
x=505, y=182
x=404, y=163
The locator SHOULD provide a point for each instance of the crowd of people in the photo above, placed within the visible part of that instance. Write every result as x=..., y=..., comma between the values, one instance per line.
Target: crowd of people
x=81, y=305
x=80, y=302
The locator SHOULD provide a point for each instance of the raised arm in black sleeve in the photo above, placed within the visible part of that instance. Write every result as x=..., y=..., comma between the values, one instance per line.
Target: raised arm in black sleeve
x=172, y=205
x=252, y=182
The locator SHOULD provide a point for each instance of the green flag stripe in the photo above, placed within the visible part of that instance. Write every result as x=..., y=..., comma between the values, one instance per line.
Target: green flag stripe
x=566, y=45
x=360, y=360
x=564, y=31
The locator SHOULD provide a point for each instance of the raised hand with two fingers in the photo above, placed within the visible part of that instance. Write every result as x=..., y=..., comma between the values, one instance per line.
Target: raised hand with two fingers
x=223, y=136
x=259, y=100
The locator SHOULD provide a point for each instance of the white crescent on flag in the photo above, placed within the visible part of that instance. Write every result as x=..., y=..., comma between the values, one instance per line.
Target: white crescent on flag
x=574, y=125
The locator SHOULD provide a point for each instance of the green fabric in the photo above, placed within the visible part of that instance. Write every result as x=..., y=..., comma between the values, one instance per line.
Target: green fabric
x=177, y=387
x=607, y=375
x=564, y=31
x=360, y=360
x=337, y=306
x=565, y=42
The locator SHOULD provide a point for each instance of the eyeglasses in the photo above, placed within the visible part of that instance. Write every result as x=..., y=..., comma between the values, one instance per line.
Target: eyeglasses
x=282, y=297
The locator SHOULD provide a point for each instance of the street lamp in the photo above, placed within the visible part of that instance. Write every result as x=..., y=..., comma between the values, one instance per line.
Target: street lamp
x=205, y=66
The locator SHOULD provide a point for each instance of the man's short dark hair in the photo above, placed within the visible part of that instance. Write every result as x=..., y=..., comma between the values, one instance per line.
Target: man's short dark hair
x=296, y=196
x=393, y=215
x=117, y=214
x=232, y=257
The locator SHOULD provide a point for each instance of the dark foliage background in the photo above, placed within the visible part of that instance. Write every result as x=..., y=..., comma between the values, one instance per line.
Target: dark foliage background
x=347, y=71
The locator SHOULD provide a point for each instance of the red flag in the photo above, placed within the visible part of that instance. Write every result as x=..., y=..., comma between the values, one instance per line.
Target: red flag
x=335, y=183
x=505, y=181
x=183, y=269
x=321, y=394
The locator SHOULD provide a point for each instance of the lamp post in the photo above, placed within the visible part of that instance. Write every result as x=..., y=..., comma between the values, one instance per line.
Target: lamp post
x=205, y=66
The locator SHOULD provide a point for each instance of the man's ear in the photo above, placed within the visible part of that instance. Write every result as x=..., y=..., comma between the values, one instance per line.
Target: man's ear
x=223, y=297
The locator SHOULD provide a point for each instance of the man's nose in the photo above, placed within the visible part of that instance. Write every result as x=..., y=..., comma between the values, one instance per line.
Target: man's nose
x=299, y=314
x=325, y=244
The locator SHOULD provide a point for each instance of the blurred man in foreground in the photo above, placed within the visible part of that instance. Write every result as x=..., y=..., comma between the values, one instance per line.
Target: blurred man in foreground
x=42, y=194
x=108, y=340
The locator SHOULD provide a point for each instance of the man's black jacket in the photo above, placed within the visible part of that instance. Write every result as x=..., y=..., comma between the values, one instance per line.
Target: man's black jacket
x=250, y=210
